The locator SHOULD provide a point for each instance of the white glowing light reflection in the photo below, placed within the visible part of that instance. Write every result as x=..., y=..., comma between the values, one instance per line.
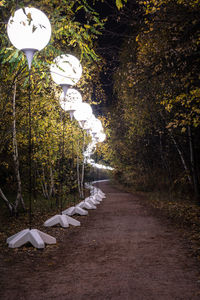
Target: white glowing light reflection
x=99, y=166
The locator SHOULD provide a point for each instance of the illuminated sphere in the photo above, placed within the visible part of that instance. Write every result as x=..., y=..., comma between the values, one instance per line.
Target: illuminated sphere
x=66, y=70
x=101, y=137
x=87, y=125
x=29, y=29
x=83, y=113
x=97, y=126
x=71, y=101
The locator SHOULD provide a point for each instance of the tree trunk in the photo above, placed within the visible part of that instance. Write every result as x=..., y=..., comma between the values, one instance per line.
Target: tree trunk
x=181, y=157
x=193, y=164
x=179, y=152
x=44, y=184
x=19, y=198
x=82, y=178
x=51, y=190
x=83, y=167
x=8, y=204
x=78, y=173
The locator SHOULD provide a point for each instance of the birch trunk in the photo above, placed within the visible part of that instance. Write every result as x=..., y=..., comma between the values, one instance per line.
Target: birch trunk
x=182, y=158
x=179, y=152
x=44, y=185
x=78, y=173
x=8, y=204
x=19, y=198
x=51, y=190
x=82, y=178
x=83, y=168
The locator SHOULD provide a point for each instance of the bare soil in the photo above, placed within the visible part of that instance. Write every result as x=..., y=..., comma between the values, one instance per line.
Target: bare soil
x=122, y=251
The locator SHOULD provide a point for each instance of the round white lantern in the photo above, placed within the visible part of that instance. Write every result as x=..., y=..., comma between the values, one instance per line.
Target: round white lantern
x=86, y=125
x=97, y=126
x=101, y=137
x=29, y=30
x=66, y=70
x=70, y=101
x=83, y=113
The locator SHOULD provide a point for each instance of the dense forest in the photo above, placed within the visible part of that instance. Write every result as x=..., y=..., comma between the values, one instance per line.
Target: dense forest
x=141, y=75
x=155, y=107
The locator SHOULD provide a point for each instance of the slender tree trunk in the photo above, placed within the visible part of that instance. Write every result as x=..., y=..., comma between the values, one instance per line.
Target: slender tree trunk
x=82, y=178
x=51, y=190
x=179, y=152
x=78, y=173
x=8, y=204
x=83, y=167
x=181, y=157
x=19, y=198
x=193, y=164
x=44, y=184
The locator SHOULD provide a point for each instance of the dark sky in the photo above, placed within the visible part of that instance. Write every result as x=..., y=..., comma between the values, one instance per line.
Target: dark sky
x=108, y=47
x=116, y=29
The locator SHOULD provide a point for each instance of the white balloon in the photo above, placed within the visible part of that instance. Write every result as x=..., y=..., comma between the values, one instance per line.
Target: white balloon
x=66, y=70
x=29, y=28
x=71, y=101
x=83, y=112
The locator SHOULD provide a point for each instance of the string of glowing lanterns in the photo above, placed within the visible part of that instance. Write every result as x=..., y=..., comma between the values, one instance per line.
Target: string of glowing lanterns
x=29, y=30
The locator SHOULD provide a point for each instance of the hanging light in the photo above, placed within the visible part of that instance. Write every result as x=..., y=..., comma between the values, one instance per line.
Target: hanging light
x=83, y=113
x=96, y=126
x=66, y=71
x=29, y=30
x=101, y=136
x=71, y=101
x=87, y=124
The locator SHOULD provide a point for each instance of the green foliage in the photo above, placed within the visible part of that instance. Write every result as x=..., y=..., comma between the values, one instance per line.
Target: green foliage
x=119, y=3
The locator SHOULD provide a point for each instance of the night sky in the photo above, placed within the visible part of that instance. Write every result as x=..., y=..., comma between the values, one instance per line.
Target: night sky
x=117, y=29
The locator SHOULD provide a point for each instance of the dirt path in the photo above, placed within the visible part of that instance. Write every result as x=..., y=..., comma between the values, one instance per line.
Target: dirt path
x=121, y=251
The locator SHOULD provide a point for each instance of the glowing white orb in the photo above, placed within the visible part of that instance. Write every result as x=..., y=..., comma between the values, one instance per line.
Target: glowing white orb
x=66, y=70
x=29, y=28
x=97, y=126
x=83, y=113
x=101, y=137
x=71, y=101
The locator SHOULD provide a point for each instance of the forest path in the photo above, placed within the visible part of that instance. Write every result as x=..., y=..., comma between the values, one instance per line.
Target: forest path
x=122, y=251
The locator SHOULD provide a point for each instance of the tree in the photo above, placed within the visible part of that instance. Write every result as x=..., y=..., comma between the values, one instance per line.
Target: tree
x=76, y=26
x=156, y=95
